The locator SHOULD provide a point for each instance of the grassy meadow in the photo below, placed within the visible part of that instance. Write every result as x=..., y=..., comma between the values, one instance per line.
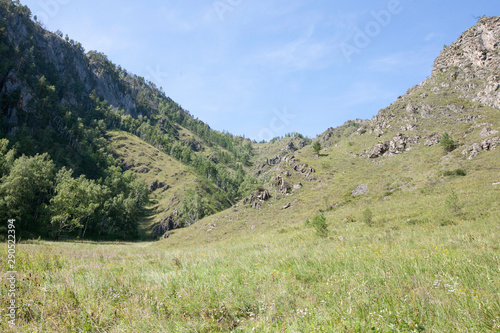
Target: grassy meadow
x=405, y=274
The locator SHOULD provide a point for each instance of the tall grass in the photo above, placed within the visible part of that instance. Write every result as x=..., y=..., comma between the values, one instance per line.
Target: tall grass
x=408, y=279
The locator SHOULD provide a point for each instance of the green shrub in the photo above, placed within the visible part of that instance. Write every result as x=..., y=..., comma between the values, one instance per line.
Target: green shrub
x=447, y=142
x=446, y=223
x=367, y=217
x=349, y=219
x=456, y=172
x=453, y=203
x=319, y=223
x=317, y=147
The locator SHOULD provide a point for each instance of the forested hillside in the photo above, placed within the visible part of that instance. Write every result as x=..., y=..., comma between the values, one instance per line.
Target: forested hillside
x=59, y=172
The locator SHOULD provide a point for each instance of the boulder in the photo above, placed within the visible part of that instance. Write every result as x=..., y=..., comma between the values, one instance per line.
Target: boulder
x=432, y=139
x=476, y=148
x=378, y=150
x=360, y=190
x=143, y=170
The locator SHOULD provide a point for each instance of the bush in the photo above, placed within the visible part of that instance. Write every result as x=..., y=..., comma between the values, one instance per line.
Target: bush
x=317, y=147
x=456, y=172
x=453, y=203
x=367, y=217
x=447, y=143
x=319, y=223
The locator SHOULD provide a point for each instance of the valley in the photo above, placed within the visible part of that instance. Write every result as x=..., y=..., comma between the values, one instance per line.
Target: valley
x=134, y=216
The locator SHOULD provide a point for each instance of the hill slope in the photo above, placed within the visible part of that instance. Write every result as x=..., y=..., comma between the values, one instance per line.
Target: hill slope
x=396, y=156
x=57, y=99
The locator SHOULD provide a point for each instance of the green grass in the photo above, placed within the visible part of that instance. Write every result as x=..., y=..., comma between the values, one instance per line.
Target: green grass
x=419, y=266
x=386, y=279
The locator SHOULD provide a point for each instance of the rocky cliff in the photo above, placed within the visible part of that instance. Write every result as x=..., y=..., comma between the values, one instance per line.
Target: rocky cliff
x=464, y=88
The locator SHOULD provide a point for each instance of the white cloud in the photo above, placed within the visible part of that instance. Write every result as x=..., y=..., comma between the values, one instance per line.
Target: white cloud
x=430, y=36
x=402, y=61
x=305, y=52
x=363, y=92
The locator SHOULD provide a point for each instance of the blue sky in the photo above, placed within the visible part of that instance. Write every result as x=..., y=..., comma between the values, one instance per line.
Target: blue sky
x=262, y=68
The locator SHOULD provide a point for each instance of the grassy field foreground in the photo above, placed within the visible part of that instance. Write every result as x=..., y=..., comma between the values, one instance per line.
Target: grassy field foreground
x=408, y=279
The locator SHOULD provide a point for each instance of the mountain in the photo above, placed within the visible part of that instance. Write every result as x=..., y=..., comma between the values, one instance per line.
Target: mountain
x=438, y=141
x=72, y=105
x=147, y=167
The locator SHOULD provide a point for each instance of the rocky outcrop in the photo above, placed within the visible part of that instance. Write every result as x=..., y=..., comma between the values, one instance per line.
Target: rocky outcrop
x=256, y=199
x=283, y=186
x=432, y=139
x=275, y=160
x=476, y=148
x=170, y=222
x=409, y=127
x=476, y=48
x=486, y=132
x=473, y=61
x=156, y=185
x=304, y=169
x=396, y=145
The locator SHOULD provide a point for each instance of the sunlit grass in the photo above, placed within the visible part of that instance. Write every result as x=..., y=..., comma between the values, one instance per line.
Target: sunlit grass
x=416, y=277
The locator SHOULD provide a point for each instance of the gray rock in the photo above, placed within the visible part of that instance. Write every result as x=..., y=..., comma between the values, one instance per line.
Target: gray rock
x=486, y=132
x=143, y=170
x=432, y=140
x=378, y=150
x=360, y=190
x=476, y=148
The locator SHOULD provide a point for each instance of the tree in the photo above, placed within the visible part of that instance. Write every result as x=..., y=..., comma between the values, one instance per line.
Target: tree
x=317, y=147
x=7, y=157
x=75, y=201
x=447, y=142
x=25, y=191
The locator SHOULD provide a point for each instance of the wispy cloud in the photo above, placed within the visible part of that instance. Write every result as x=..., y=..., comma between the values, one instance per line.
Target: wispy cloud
x=92, y=38
x=363, y=93
x=399, y=61
x=430, y=36
x=304, y=53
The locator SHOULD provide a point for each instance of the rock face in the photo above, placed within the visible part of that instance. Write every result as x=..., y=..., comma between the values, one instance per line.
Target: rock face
x=476, y=47
x=486, y=132
x=476, y=148
x=156, y=185
x=474, y=55
x=256, y=199
x=432, y=140
x=79, y=73
x=396, y=145
x=171, y=222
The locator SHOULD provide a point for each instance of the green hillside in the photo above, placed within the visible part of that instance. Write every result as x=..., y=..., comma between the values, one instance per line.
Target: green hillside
x=60, y=101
